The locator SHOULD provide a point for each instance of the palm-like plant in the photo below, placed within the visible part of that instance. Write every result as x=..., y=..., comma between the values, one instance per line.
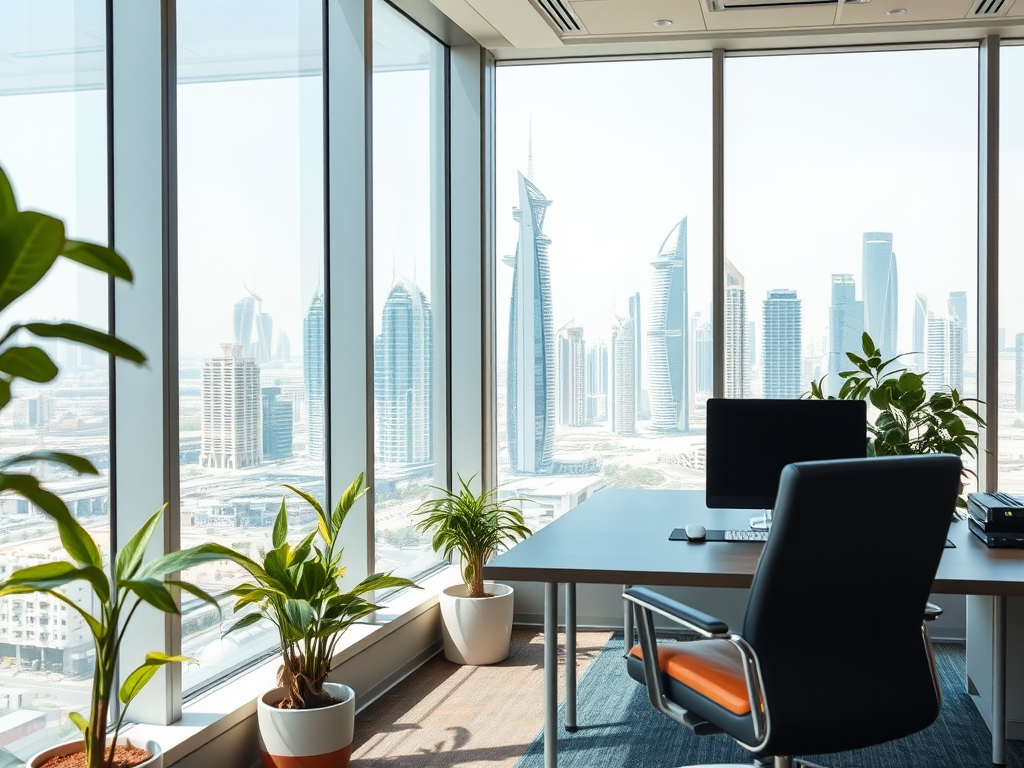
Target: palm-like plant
x=296, y=589
x=474, y=526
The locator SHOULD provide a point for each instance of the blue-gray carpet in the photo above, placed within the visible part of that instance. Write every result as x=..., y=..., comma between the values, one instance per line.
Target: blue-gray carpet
x=622, y=730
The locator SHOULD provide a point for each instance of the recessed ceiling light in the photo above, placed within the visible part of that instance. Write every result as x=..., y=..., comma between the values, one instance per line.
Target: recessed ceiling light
x=663, y=23
x=896, y=12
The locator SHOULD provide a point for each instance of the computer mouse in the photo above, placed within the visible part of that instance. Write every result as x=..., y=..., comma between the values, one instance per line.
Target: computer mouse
x=695, y=532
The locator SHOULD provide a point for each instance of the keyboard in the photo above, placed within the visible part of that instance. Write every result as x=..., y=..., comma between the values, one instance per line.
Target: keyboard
x=746, y=535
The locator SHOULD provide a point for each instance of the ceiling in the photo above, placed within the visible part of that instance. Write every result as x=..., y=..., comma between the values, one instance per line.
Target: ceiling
x=514, y=29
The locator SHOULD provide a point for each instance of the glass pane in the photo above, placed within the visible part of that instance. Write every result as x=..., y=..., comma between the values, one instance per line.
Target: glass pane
x=53, y=138
x=251, y=302
x=850, y=207
x=604, y=287
x=408, y=285
x=1011, y=272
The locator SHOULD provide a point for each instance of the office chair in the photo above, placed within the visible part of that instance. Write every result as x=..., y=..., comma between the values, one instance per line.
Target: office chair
x=798, y=681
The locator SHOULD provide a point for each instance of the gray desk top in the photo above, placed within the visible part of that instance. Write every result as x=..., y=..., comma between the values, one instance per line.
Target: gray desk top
x=620, y=536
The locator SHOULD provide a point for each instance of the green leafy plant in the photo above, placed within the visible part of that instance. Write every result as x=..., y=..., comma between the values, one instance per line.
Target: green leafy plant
x=909, y=420
x=474, y=526
x=296, y=589
x=30, y=245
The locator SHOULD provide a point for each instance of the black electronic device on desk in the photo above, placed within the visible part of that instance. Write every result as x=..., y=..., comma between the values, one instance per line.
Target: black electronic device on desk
x=997, y=519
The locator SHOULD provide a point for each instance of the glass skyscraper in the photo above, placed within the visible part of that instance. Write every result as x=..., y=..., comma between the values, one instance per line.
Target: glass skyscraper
x=668, y=337
x=737, y=364
x=403, y=376
x=920, y=336
x=781, y=350
x=313, y=375
x=846, y=326
x=530, y=404
x=878, y=270
x=571, y=375
x=623, y=382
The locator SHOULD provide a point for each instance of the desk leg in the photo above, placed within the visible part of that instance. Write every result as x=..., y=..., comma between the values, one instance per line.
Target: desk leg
x=570, y=657
x=627, y=622
x=551, y=675
x=999, y=681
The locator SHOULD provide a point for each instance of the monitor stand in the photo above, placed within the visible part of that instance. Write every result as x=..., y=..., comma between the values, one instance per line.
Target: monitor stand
x=761, y=522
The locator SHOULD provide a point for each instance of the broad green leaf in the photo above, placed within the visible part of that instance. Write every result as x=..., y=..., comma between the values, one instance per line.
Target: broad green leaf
x=91, y=337
x=246, y=621
x=5, y=392
x=137, y=680
x=152, y=591
x=130, y=557
x=311, y=500
x=195, y=591
x=30, y=243
x=76, y=540
x=30, y=363
x=99, y=257
x=97, y=629
x=79, y=464
x=203, y=553
x=80, y=722
x=299, y=614
x=280, y=534
x=8, y=204
x=57, y=574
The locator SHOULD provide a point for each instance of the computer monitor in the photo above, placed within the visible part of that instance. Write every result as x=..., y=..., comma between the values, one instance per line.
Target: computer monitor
x=750, y=441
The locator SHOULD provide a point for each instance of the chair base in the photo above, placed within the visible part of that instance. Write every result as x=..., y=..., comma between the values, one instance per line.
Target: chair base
x=777, y=762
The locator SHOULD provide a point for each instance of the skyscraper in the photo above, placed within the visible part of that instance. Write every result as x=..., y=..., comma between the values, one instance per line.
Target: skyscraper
x=846, y=325
x=277, y=425
x=634, y=315
x=878, y=271
x=704, y=358
x=530, y=403
x=944, y=357
x=1019, y=373
x=245, y=312
x=623, y=383
x=957, y=306
x=264, y=337
x=403, y=376
x=571, y=374
x=313, y=375
x=781, y=349
x=920, y=338
x=668, y=337
x=230, y=414
x=597, y=382
x=737, y=370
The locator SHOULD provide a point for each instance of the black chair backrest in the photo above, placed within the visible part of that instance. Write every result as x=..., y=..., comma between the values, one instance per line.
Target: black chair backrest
x=836, y=605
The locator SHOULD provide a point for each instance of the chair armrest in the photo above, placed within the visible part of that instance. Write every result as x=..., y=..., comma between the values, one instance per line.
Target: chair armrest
x=678, y=612
x=932, y=611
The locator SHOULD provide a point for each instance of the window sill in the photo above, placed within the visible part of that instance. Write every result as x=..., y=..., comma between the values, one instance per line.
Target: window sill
x=224, y=707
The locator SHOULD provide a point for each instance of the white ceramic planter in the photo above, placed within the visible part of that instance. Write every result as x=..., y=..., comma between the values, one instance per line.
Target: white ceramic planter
x=156, y=761
x=307, y=738
x=477, y=630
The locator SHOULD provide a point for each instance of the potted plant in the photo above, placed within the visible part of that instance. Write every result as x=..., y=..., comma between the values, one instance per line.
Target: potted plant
x=909, y=420
x=30, y=244
x=476, y=616
x=307, y=721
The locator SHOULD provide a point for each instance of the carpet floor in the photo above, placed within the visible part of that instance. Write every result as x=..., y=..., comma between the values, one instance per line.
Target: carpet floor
x=624, y=731
x=445, y=715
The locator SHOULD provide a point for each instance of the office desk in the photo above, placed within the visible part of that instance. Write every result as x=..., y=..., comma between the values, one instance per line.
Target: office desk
x=620, y=536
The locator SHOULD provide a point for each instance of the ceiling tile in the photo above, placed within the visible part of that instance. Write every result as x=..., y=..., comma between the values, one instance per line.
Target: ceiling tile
x=771, y=18
x=876, y=12
x=630, y=17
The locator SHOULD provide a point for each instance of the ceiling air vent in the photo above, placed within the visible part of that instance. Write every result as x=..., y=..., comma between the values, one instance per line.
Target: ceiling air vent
x=746, y=5
x=989, y=8
x=560, y=16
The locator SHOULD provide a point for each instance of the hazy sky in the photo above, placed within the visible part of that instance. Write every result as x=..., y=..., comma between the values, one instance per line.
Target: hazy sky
x=819, y=149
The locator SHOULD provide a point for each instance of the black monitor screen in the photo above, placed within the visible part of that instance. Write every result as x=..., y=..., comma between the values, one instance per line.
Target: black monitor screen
x=750, y=441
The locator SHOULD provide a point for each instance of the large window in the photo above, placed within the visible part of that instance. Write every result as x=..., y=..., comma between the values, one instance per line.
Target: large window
x=1011, y=273
x=53, y=136
x=409, y=266
x=851, y=189
x=251, y=319
x=604, y=278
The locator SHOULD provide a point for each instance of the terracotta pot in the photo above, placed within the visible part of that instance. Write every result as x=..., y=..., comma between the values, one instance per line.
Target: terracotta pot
x=156, y=761
x=477, y=630
x=307, y=738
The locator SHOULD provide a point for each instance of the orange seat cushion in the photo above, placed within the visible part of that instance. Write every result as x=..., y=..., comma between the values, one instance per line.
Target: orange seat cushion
x=713, y=668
